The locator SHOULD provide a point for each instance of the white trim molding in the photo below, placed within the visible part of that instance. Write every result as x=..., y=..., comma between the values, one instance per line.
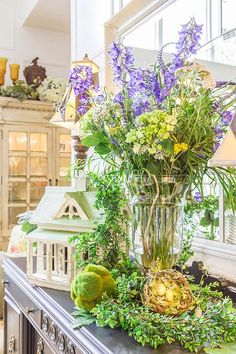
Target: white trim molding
x=219, y=258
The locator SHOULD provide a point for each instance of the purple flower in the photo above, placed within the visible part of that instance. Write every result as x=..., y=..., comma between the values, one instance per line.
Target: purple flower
x=81, y=80
x=99, y=98
x=219, y=133
x=82, y=110
x=114, y=51
x=226, y=118
x=119, y=98
x=215, y=147
x=198, y=197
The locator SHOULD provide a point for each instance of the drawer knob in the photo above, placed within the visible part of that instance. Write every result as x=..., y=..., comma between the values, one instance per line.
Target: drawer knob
x=5, y=282
x=29, y=310
x=12, y=344
x=40, y=346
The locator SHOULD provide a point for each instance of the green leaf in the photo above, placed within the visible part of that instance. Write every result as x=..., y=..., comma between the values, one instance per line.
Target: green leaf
x=205, y=221
x=216, y=222
x=27, y=227
x=83, y=321
x=90, y=140
x=102, y=149
x=168, y=146
x=93, y=139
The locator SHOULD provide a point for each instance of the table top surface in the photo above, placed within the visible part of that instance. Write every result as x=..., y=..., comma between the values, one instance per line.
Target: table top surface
x=115, y=340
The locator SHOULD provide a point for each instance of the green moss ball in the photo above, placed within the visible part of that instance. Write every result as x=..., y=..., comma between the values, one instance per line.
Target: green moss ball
x=85, y=305
x=87, y=285
x=72, y=293
x=109, y=286
x=98, y=269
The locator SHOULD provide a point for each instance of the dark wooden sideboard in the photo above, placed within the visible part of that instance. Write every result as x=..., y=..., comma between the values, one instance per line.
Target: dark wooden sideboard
x=38, y=321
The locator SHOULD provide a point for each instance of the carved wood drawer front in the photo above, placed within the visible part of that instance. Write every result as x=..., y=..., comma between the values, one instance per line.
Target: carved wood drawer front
x=57, y=337
x=28, y=307
x=41, y=346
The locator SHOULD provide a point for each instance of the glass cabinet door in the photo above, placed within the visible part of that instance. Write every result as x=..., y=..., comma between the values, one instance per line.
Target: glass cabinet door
x=29, y=170
x=63, y=148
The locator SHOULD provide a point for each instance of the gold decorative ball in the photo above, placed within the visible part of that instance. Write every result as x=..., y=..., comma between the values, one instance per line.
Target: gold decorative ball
x=167, y=292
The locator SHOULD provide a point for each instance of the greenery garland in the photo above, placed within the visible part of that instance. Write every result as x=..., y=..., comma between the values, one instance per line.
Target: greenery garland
x=212, y=322
x=109, y=243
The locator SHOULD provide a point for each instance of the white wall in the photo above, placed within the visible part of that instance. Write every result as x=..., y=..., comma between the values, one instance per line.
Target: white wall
x=21, y=44
x=87, y=30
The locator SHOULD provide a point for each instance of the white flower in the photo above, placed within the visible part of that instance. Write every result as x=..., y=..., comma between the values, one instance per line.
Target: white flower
x=136, y=148
x=52, y=89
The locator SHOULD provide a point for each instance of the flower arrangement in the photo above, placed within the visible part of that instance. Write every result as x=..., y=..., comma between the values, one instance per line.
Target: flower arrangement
x=52, y=89
x=166, y=119
x=159, y=130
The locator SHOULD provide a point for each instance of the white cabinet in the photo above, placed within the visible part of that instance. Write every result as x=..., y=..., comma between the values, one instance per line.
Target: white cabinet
x=33, y=154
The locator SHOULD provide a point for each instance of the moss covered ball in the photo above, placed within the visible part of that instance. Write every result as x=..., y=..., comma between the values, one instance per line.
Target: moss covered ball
x=90, y=284
x=167, y=292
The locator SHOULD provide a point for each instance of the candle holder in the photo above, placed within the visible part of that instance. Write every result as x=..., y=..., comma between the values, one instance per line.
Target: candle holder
x=2, y=77
x=3, y=64
x=14, y=72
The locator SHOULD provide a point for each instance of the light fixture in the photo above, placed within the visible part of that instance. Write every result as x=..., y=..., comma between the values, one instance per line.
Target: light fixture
x=225, y=155
x=65, y=115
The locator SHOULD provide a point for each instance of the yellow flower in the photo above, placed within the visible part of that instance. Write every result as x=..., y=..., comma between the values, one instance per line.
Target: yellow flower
x=112, y=131
x=180, y=147
x=152, y=150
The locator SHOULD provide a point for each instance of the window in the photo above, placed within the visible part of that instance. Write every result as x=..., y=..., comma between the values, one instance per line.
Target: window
x=228, y=15
x=117, y=5
x=163, y=26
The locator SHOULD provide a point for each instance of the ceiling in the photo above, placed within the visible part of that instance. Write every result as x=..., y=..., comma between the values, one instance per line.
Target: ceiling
x=51, y=15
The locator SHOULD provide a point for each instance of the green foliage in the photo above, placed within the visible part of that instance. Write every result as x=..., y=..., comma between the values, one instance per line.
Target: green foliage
x=89, y=285
x=19, y=90
x=27, y=227
x=110, y=235
x=187, y=251
x=210, y=220
x=217, y=323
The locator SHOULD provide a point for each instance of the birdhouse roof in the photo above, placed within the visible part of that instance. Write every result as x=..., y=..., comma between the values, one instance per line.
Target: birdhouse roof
x=49, y=236
x=50, y=212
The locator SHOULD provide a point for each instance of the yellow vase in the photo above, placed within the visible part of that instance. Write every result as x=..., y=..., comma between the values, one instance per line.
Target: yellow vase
x=2, y=77
x=3, y=63
x=14, y=72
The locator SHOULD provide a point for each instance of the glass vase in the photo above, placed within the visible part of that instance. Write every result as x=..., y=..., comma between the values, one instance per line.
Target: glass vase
x=157, y=219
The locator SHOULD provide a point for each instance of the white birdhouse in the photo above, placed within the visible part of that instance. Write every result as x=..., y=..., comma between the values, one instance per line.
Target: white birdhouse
x=61, y=213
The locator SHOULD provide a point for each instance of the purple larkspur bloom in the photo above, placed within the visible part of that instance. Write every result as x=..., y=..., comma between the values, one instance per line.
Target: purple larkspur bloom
x=99, y=98
x=226, y=117
x=188, y=43
x=81, y=80
x=82, y=110
x=119, y=98
x=198, y=197
x=140, y=105
x=219, y=133
x=114, y=51
x=215, y=147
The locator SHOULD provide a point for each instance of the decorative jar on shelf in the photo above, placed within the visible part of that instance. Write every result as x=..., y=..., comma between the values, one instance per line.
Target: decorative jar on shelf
x=157, y=219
